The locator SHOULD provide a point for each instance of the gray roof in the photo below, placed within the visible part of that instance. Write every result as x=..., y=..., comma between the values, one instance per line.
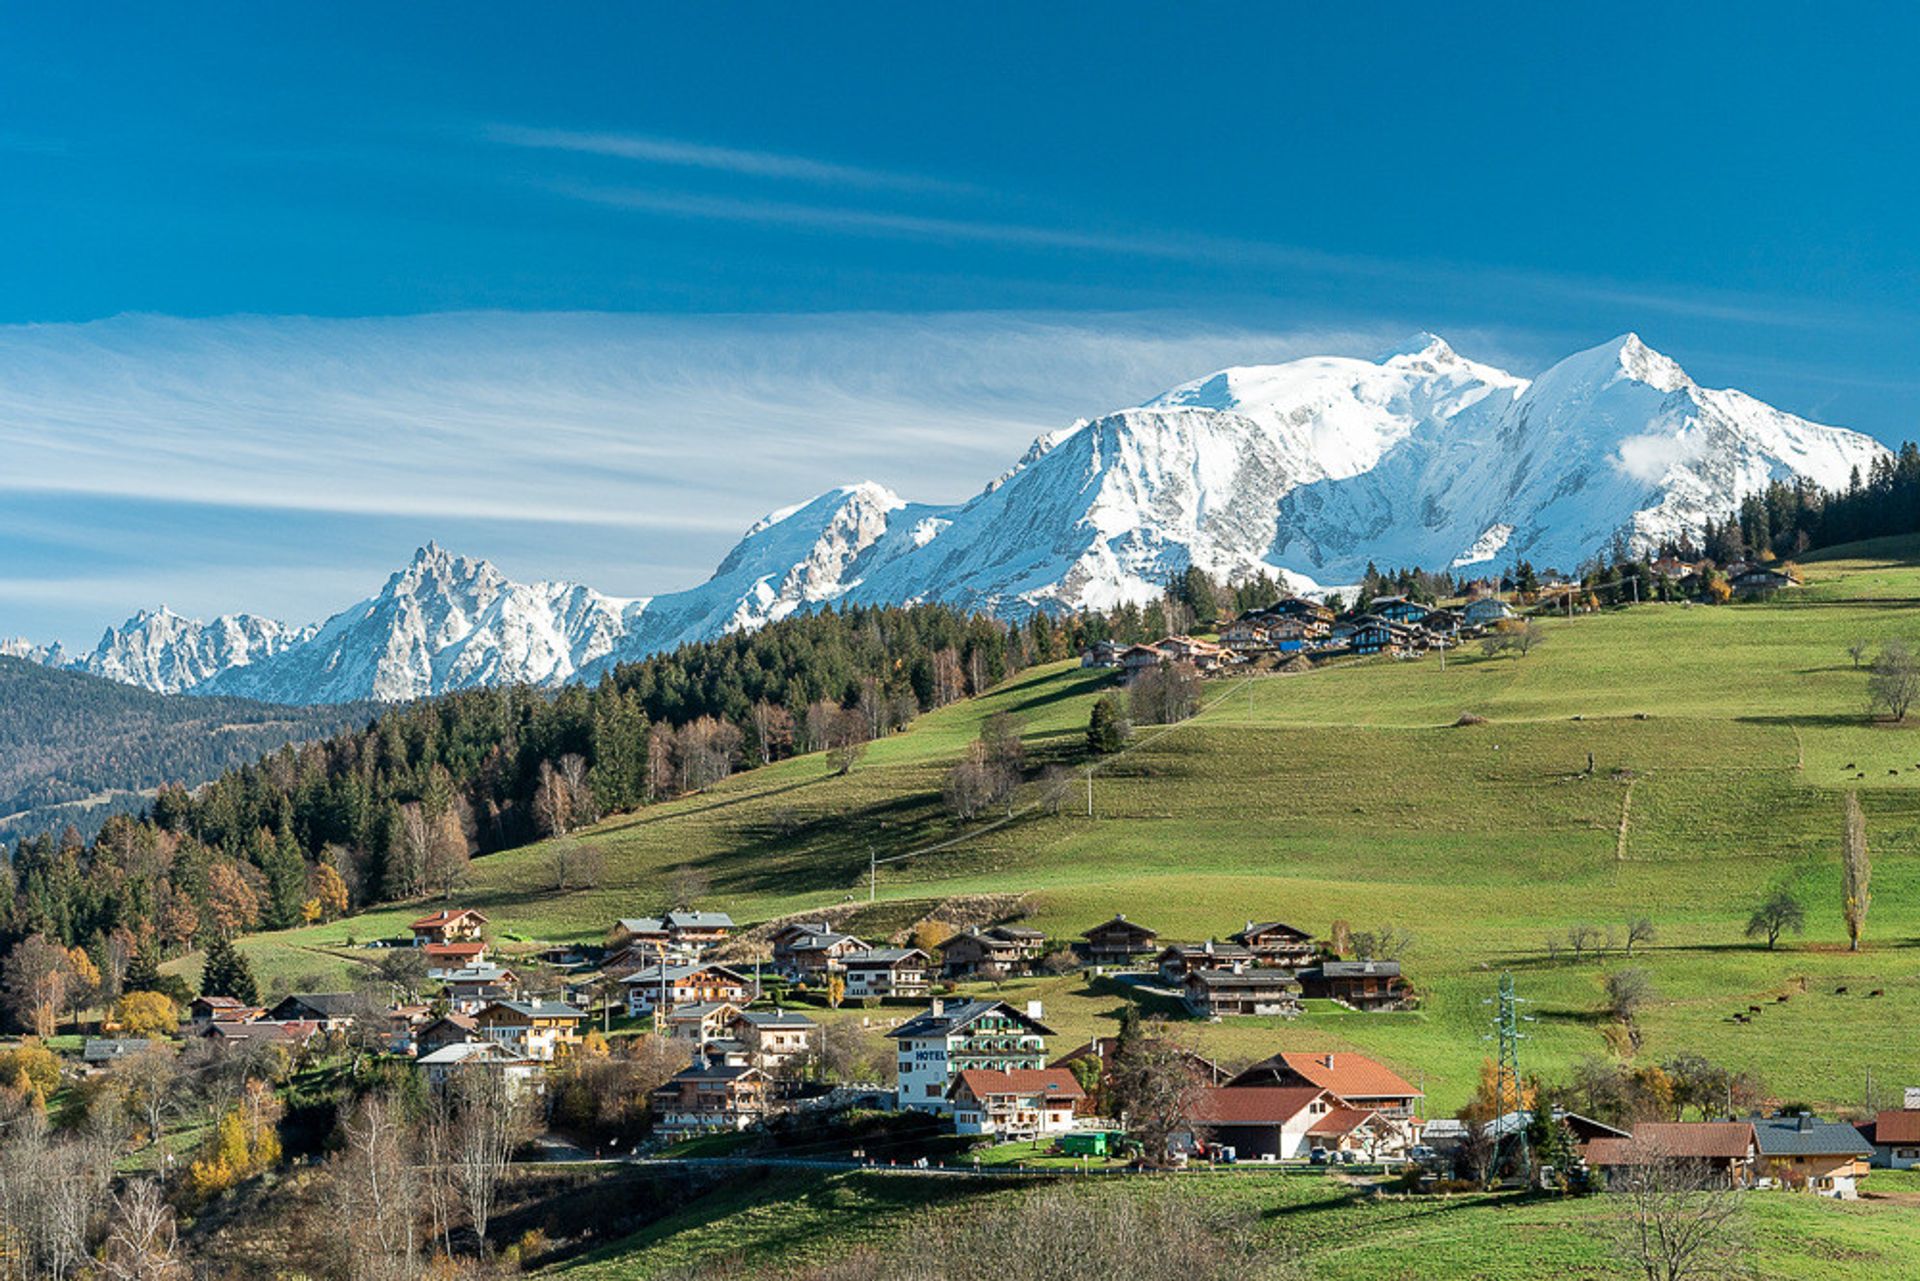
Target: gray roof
x=821, y=942
x=100, y=1049
x=326, y=1005
x=1245, y=978
x=699, y=1010
x=882, y=956
x=540, y=1009
x=476, y=974
x=1803, y=1136
x=674, y=973
x=774, y=1018
x=462, y=1051
x=699, y=920
x=641, y=924
x=1359, y=969
x=955, y=1015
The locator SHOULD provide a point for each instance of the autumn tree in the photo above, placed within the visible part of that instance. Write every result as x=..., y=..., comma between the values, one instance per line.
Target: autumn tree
x=145, y=1014
x=38, y=975
x=1778, y=913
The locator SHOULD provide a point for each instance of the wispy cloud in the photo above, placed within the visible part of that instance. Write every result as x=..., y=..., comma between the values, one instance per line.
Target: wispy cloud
x=650, y=149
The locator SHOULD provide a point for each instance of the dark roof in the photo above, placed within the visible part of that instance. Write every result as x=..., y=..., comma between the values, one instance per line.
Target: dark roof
x=323, y=1005
x=1898, y=1126
x=955, y=1015
x=1121, y=922
x=539, y=1009
x=887, y=956
x=1806, y=1136
x=698, y=921
x=774, y=1018
x=1256, y=928
x=1244, y=978
x=1358, y=969
x=711, y=1071
x=100, y=1049
x=1015, y=933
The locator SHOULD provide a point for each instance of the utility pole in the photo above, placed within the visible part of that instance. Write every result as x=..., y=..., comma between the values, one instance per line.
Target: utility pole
x=1507, y=1096
x=1089, y=791
x=873, y=874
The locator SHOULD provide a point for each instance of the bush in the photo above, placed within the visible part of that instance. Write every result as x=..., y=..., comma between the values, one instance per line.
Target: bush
x=39, y=1065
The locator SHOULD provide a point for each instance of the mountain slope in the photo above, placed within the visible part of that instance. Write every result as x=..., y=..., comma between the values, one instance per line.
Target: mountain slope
x=75, y=748
x=1307, y=469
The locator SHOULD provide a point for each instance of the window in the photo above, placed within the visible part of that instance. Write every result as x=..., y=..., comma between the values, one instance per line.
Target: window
x=933, y=1089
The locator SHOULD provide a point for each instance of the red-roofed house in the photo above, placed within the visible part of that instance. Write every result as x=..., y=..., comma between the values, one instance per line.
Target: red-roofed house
x=1726, y=1148
x=1355, y=1079
x=443, y=957
x=450, y=925
x=1020, y=1103
x=1263, y=1122
x=1895, y=1135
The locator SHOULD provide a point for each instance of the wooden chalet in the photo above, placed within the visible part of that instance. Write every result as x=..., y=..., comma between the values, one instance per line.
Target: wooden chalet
x=697, y=930
x=886, y=971
x=538, y=1029
x=1276, y=943
x=1363, y=985
x=814, y=956
x=1303, y=608
x=472, y=989
x=1118, y=942
x=448, y=1029
x=710, y=1097
x=205, y=1010
x=997, y=951
x=1021, y=1103
x=1398, y=609
x=450, y=925
x=1804, y=1154
x=701, y=1022
x=1725, y=1150
x=772, y=1037
x=523, y=1074
x=444, y=957
x=1177, y=960
x=649, y=933
x=667, y=986
x=331, y=1010
x=1240, y=991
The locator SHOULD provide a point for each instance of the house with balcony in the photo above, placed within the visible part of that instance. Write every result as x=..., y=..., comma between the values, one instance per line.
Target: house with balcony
x=1361, y=985
x=709, y=1096
x=1276, y=943
x=1119, y=942
x=886, y=971
x=450, y=925
x=773, y=1038
x=663, y=987
x=542, y=1030
x=697, y=931
x=1242, y=990
x=1177, y=960
x=953, y=1036
x=1023, y=1103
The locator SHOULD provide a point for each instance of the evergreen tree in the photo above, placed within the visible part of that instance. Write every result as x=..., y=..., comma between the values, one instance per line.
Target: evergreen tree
x=1108, y=727
x=143, y=970
x=228, y=974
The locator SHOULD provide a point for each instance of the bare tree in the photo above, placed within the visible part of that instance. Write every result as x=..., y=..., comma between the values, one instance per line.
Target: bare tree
x=449, y=855
x=489, y=1122
x=1582, y=938
x=377, y=1193
x=573, y=864
x=1894, y=682
x=552, y=801
x=1676, y=1219
x=1164, y=695
x=1780, y=912
x=1857, y=651
x=38, y=975
x=1856, y=873
x=150, y=1083
x=572, y=769
x=142, y=1242
x=1639, y=930
x=685, y=886
x=1155, y=1087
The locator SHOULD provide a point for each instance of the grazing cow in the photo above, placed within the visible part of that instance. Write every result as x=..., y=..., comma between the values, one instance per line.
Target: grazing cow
x=1877, y=992
x=1784, y=997
x=1848, y=765
x=1740, y=1018
x=1840, y=991
x=1893, y=771
x=1753, y=1009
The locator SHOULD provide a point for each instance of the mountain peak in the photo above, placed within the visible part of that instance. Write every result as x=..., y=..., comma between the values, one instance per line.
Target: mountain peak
x=1421, y=346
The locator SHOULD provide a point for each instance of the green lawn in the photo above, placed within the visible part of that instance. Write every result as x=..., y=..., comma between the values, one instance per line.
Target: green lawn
x=1722, y=742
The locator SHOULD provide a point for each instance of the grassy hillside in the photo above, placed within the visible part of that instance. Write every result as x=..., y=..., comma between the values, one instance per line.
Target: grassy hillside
x=1722, y=740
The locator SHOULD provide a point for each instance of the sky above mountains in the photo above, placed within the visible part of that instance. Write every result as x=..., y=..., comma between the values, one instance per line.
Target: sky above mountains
x=289, y=292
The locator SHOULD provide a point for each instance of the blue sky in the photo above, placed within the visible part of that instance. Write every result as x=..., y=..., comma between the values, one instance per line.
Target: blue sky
x=729, y=257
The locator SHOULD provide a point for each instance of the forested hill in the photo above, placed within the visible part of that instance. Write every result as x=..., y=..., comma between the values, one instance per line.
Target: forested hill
x=76, y=748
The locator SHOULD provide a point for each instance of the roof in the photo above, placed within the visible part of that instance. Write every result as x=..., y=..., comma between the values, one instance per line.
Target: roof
x=640, y=924
x=1016, y=933
x=446, y=916
x=1350, y=1076
x=266, y=1030
x=699, y=1010
x=537, y=1009
x=1224, y=951
x=99, y=1049
x=1057, y=1083
x=1897, y=1126
x=823, y=941
x=1805, y=1136
x=1254, y=1104
x=981, y=937
x=328, y=1005
x=1341, y=1121
x=698, y=921
x=1120, y=921
x=1243, y=978
x=773, y=1018
x=462, y=1051
x=1684, y=1140
x=1256, y=928
x=674, y=973
x=888, y=956
x=711, y=1071
x=1359, y=969
x=471, y=947
x=219, y=1002
x=952, y=1016
x=477, y=974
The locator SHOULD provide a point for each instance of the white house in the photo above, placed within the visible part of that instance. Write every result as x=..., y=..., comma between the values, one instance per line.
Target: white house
x=1020, y=1104
x=953, y=1036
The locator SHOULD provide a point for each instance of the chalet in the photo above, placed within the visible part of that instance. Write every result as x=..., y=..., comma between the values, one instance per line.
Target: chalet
x=672, y=985
x=772, y=1037
x=814, y=956
x=1204, y=655
x=471, y=989
x=1178, y=960
x=996, y=952
x=261, y=1032
x=701, y=1022
x=1485, y=611
x=448, y=1029
x=404, y=1022
x=452, y=925
x=1363, y=985
x=1101, y=654
x=711, y=1096
x=1249, y=633
x=698, y=930
x=331, y=1010
x=1276, y=943
x=1271, y=1122
x=1135, y=659
x=1398, y=609
x=1302, y=608
x=1354, y=1079
x=524, y=1074
x=102, y=1050
x=538, y=1029
x=953, y=1036
x=1213, y=994
x=1369, y=1134
x=1024, y=1103
x=1373, y=634
x=220, y=1009
x=886, y=971
x=649, y=933
x=1798, y=1152
x=1895, y=1136
x=1764, y=580
x=1118, y=942
x=1726, y=1150
x=1441, y=623
x=444, y=958
x=1291, y=635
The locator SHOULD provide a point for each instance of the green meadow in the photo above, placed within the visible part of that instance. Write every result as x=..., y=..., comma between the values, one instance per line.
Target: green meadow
x=1722, y=742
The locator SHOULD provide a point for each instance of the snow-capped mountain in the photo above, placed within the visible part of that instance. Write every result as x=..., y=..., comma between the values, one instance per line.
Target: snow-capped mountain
x=1307, y=469
x=444, y=622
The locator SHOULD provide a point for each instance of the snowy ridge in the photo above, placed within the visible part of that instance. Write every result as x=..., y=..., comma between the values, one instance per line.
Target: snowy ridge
x=1306, y=470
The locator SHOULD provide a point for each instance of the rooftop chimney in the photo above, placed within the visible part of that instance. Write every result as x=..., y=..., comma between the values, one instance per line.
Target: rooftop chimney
x=1804, y=1122
x=939, y=1007
x=1035, y=1011
x=1328, y=1060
